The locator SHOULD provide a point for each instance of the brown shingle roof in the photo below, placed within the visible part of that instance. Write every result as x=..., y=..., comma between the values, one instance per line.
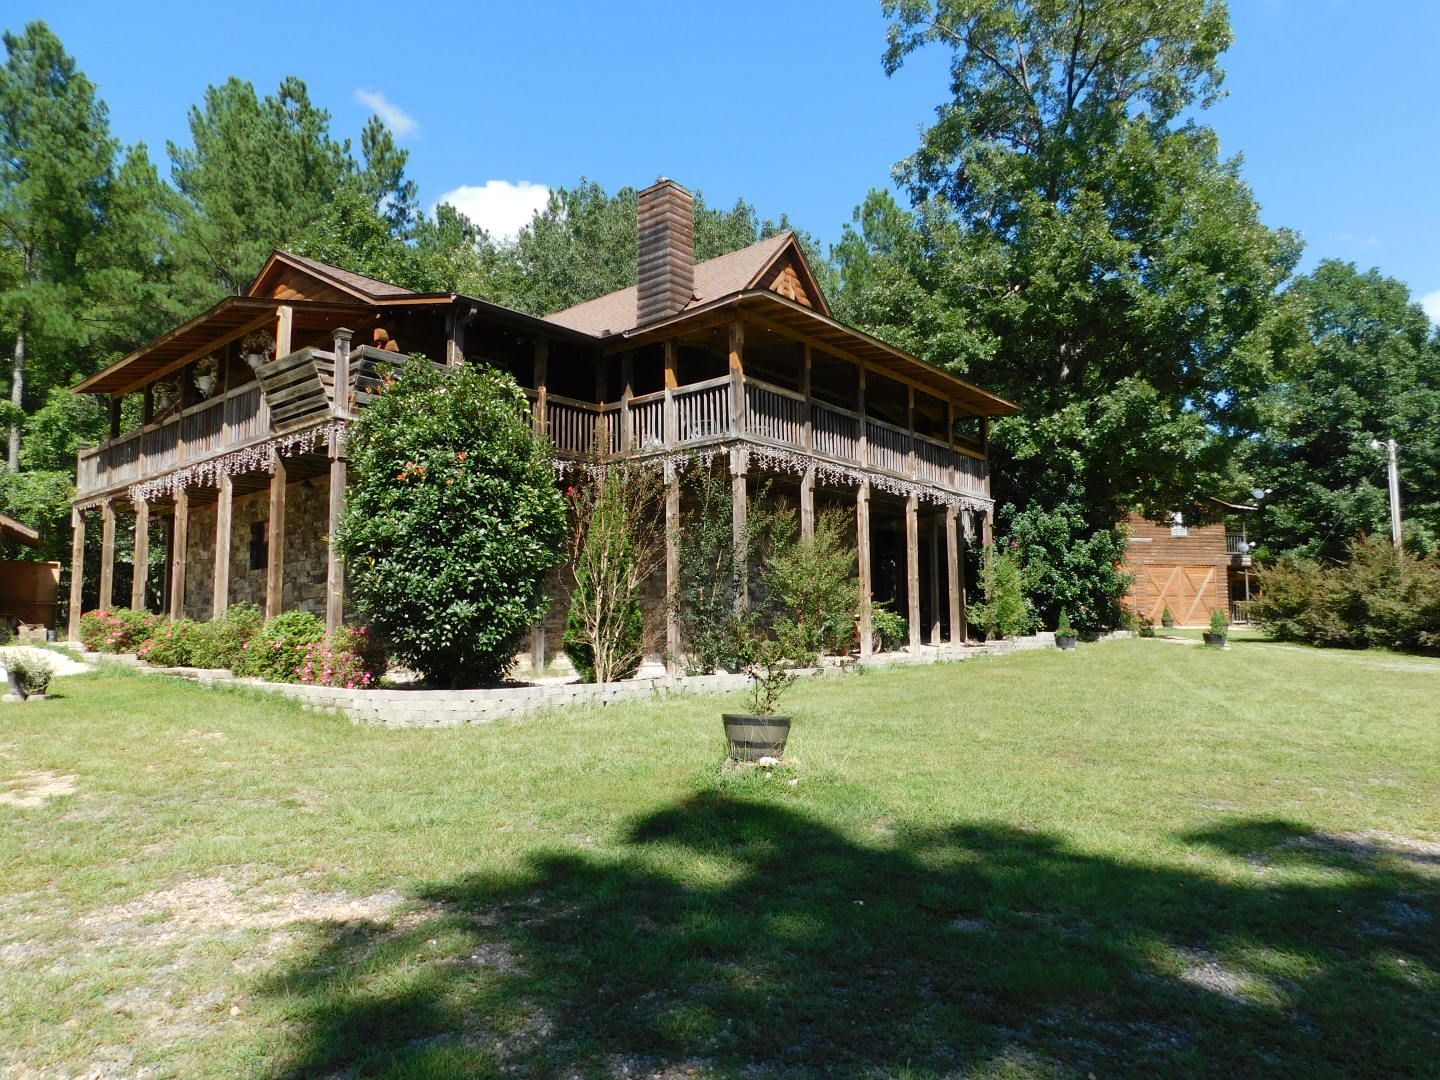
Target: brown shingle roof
x=372, y=287
x=614, y=313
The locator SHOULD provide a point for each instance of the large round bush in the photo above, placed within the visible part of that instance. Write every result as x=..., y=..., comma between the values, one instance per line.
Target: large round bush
x=452, y=521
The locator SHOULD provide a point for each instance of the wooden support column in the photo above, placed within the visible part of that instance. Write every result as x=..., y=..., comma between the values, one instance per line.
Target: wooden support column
x=863, y=450
x=454, y=338
x=140, y=565
x=912, y=463
x=670, y=416
x=954, y=576
x=284, y=330
x=912, y=568
x=77, y=572
x=107, y=555
x=179, y=541
x=115, y=405
x=862, y=554
x=341, y=405
x=987, y=528
x=627, y=391
x=737, y=377
x=807, y=503
x=673, y=643
x=224, y=508
x=275, y=543
x=334, y=564
x=934, y=580
x=542, y=378
x=739, y=525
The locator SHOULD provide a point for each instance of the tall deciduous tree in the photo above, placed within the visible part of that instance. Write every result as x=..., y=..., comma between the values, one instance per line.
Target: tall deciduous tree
x=1079, y=245
x=1368, y=367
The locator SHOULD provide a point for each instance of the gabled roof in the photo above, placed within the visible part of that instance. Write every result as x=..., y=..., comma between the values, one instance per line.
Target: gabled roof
x=355, y=285
x=725, y=275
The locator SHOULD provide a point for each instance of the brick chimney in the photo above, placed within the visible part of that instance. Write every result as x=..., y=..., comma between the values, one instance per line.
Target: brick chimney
x=665, y=270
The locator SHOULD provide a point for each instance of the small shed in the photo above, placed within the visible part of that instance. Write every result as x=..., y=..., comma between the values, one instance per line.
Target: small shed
x=29, y=591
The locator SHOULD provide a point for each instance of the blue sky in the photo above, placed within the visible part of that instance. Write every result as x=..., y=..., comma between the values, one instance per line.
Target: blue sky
x=1332, y=102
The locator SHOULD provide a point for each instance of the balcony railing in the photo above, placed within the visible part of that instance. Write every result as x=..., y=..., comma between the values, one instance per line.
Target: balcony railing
x=773, y=416
x=700, y=413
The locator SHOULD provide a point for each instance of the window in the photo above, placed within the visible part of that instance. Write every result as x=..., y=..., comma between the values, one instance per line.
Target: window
x=260, y=545
x=1178, y=527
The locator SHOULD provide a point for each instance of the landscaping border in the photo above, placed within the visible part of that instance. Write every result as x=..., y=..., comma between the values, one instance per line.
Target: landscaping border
x=455, y=708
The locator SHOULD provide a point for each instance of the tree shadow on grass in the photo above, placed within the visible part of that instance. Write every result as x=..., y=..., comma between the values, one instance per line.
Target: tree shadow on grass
x=738, y=936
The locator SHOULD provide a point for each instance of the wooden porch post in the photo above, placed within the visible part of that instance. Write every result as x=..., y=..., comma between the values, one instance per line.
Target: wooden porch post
x=224, y=510
x=862, y=554
x=275, y=542
x=77, y=572
x=341, y=338
x=737, y=377
x=284, y=330
x=807, y=482
x=627, y=391
x=107, y=554
x=541, y=363
x=912, y=568
x=739, y=525
x=179, y=541
x=334, y=564
x=673, y=644
x=454, y=338
x=140, y=569
x=987, y=528
x=955, y=570
x=671, y=421
x=934, y=580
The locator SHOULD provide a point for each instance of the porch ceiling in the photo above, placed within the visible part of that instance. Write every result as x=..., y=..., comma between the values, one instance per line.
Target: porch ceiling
x=207, y=330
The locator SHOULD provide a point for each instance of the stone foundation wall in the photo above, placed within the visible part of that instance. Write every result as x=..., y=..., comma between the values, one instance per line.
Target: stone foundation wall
x=307, y=514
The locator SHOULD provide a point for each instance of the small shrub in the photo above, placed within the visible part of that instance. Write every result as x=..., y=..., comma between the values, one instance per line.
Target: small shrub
x=117, y=630
x=812, y=582
x=1147, y=626
x=1004, y=612
x=32, y=670
x=220, y=643
x=1219, y=624
x=277, y=650
x=1063, y=627
x=889, y=628
x=351, y=659
x=173, y=643
x=1166, y=618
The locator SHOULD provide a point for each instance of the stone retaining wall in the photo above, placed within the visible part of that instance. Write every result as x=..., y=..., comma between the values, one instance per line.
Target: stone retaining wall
x=453, y=708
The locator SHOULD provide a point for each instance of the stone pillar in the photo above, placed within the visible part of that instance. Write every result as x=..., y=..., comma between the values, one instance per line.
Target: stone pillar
x=334, y=564
x=140, y=572
x=862, y=548
x=179, y=541
x=107, y=555
x=275, y=543
x=224, y=504
x=77, y=572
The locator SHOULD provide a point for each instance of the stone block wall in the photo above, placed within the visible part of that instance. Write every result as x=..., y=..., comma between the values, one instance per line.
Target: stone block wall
x=307, y=512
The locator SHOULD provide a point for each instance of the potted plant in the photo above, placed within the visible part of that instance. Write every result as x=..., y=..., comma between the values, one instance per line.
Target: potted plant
x=206, y=372
x=1219, y=630
x=1065, y=634
x=1166, y=619
x=165, y=393
x=257, y=347
x=28, y=673
x=760, y=733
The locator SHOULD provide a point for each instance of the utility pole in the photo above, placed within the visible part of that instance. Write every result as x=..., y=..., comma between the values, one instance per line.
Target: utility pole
x=1392, y=449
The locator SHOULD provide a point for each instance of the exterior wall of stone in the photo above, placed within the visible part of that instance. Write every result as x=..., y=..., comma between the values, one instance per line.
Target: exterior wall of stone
x=307, y=513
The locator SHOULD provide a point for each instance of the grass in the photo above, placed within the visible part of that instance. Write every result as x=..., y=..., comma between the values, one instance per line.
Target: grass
x=1138, y=859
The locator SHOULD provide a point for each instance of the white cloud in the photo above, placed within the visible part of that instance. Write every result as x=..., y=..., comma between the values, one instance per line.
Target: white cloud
x=1361, y=240
x=1431, y=303
x=395, y=118
x=499, y=207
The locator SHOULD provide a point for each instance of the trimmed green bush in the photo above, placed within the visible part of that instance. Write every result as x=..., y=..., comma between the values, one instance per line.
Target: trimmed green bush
x=890, y=629
x=276, y=651
x=221, y=642
x=452, y=521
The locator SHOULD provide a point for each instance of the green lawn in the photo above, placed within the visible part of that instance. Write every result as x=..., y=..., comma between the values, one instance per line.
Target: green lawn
x=1144, y=858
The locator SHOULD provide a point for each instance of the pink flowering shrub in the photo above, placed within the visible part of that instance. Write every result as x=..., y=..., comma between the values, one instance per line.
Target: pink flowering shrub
x=116, y=630
x=275, y=652
x=172, y=644
x=351, y=659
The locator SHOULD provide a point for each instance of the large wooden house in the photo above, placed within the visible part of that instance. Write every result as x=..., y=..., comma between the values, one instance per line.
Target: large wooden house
x=241, y=451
